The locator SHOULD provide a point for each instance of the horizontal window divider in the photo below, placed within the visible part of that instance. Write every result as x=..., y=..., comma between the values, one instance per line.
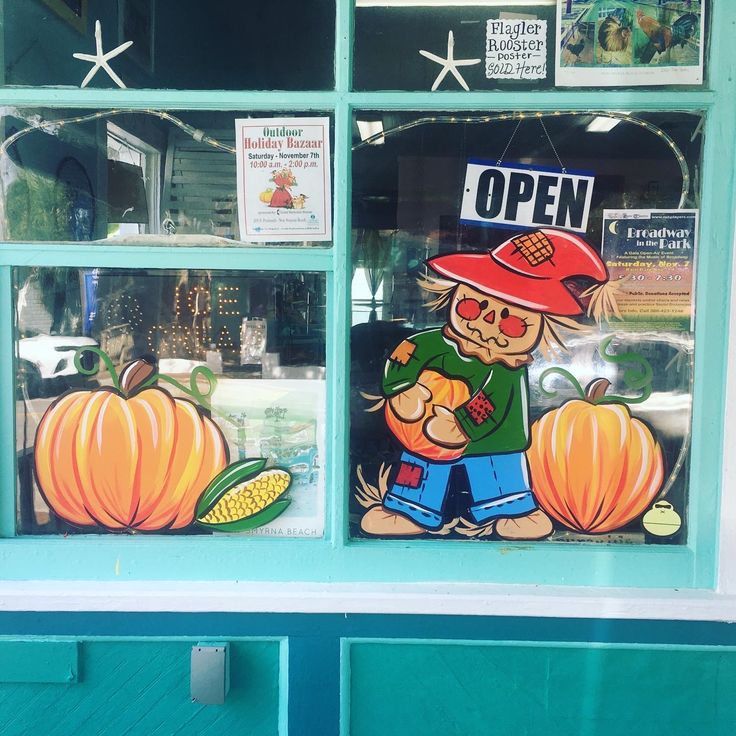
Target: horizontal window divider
x=557, y=100
x=100, y=255
x=281, y=559
x=168, y=99
x=562, y=99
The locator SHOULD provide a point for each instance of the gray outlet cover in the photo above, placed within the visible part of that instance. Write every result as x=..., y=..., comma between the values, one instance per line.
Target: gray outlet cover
x=210, y=675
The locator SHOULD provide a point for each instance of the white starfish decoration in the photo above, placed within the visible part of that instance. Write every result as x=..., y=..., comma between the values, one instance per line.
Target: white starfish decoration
x=100, y=58
x=449, y=64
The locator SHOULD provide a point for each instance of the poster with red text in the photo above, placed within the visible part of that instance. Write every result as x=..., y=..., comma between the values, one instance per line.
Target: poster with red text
x=284, y=179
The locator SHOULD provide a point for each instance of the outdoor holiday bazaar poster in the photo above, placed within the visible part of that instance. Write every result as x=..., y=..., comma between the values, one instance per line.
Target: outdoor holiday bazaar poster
x=284, y=179
x=611, y=43
x=651, y=253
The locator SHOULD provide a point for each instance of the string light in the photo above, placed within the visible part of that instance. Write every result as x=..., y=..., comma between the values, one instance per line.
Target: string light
x=194, y=304
x=222, y=299
x=200, y=136
x=49, y=125
x=162, y=338
x=224, y=340
x=124, y=308
x=475, y=119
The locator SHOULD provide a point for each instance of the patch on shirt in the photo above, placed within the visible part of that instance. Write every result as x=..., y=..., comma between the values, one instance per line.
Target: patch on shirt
x=480, y=408
x=402, y=354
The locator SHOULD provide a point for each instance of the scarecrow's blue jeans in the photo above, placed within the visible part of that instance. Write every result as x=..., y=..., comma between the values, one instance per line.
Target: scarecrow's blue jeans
x=498, y=485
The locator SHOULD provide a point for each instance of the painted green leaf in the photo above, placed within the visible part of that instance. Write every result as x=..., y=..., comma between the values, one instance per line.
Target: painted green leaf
x=251, y=522
x=232, y=475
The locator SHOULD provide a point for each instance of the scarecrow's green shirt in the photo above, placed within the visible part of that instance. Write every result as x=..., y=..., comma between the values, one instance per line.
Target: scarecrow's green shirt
x=496, y=418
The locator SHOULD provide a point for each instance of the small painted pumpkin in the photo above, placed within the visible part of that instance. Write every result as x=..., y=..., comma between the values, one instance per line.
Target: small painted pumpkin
x=447, y=392
x=135, y=459
x=594, y=467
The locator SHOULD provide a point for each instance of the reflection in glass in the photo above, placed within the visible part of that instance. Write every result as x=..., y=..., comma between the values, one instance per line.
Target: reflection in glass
x=181, y=44
x=127, y=177
x=389, y=35
x=407, y=197
x=247, y=348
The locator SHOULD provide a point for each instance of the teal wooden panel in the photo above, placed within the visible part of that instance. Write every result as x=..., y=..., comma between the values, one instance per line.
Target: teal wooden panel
x=460, y=689
x=31, y=660
x=142, y=688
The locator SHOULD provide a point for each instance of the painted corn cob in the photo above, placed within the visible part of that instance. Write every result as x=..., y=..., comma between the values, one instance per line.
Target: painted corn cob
x=244, y=496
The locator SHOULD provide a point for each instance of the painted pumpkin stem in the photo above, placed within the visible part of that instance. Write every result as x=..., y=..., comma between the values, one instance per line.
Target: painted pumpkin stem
x=136, y=374
x=596, y=390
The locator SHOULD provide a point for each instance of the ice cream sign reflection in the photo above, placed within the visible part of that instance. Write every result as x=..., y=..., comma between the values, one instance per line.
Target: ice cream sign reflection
x=515, y=195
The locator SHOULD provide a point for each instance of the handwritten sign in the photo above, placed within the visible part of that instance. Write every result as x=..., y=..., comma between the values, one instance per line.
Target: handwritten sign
x=516, y=195
x=516, y=49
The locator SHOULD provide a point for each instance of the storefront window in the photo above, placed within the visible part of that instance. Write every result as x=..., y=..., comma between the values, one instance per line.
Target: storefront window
x=170, y=401
x=525, y=46
x=177, y=44
x=160, y=178
x=522, y=339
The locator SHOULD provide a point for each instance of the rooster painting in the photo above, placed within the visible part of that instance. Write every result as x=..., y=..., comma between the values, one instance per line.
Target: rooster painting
x=662, y=37
x=614, y=33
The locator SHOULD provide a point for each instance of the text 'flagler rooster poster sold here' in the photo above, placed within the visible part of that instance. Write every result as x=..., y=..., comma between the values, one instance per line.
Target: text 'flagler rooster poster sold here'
x=284, y=179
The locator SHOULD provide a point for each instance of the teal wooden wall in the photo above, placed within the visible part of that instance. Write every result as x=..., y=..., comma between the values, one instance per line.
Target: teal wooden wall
x=441, y=689
x=367, y=675
x=134, y=687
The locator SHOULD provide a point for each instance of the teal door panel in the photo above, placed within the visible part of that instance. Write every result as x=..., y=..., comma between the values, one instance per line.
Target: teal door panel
x=460, y=689
x=29, y=660
x=143, y=688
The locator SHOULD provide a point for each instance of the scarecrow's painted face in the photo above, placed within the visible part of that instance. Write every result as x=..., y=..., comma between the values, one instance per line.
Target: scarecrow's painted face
x=494, y=324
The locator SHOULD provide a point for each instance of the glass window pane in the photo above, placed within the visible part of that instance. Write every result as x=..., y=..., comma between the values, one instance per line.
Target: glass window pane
x=475, y=324
x=170, y=401
x=140, y=177
x=179, y=44
x=512, y=45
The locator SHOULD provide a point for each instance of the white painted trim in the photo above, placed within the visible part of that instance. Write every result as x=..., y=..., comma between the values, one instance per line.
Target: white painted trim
x=409, y=598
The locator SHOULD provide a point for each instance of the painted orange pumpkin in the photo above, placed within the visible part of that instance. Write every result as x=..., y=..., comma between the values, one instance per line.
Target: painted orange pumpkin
x=126, y=460
x=594, y=467
x=448, y=392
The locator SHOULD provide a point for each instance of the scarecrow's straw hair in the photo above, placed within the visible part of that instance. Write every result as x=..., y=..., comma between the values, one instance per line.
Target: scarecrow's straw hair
x=551, y=342
x=441, y=290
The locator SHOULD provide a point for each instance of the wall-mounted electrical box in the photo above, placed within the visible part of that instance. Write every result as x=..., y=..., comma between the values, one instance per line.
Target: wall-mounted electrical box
x=210, y=673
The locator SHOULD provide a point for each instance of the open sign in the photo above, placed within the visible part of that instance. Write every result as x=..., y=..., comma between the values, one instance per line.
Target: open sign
x=519, y=196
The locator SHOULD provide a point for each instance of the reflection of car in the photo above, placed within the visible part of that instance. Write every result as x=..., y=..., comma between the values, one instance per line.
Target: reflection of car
x=46, y=362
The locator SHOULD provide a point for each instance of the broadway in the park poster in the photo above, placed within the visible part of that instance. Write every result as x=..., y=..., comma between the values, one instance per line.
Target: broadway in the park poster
x=651, y=254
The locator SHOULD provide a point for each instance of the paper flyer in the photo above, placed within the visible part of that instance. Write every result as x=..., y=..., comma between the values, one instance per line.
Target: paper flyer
x=283, y=421
x=651, y=253
x=623, y=43
x=284, y=192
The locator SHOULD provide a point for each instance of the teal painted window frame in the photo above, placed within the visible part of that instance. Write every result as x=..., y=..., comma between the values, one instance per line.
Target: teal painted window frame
x=337, y=558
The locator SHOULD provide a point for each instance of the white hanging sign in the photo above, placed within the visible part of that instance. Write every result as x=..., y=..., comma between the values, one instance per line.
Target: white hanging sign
x=516, y=195
x=284, y=192
x=516, y=49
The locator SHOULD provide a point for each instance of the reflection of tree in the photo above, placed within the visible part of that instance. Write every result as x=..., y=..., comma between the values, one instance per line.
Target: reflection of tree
x=37, y=208
x=57, y=291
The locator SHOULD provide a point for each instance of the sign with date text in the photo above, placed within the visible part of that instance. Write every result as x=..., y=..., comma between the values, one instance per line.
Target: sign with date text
x=284, y=179
x=652, y=254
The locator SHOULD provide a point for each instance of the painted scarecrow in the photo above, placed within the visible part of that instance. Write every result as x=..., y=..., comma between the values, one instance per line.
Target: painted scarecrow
x=502, y=305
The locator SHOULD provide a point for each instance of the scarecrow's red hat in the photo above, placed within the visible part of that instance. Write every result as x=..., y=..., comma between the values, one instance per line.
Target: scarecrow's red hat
x=528, y=270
